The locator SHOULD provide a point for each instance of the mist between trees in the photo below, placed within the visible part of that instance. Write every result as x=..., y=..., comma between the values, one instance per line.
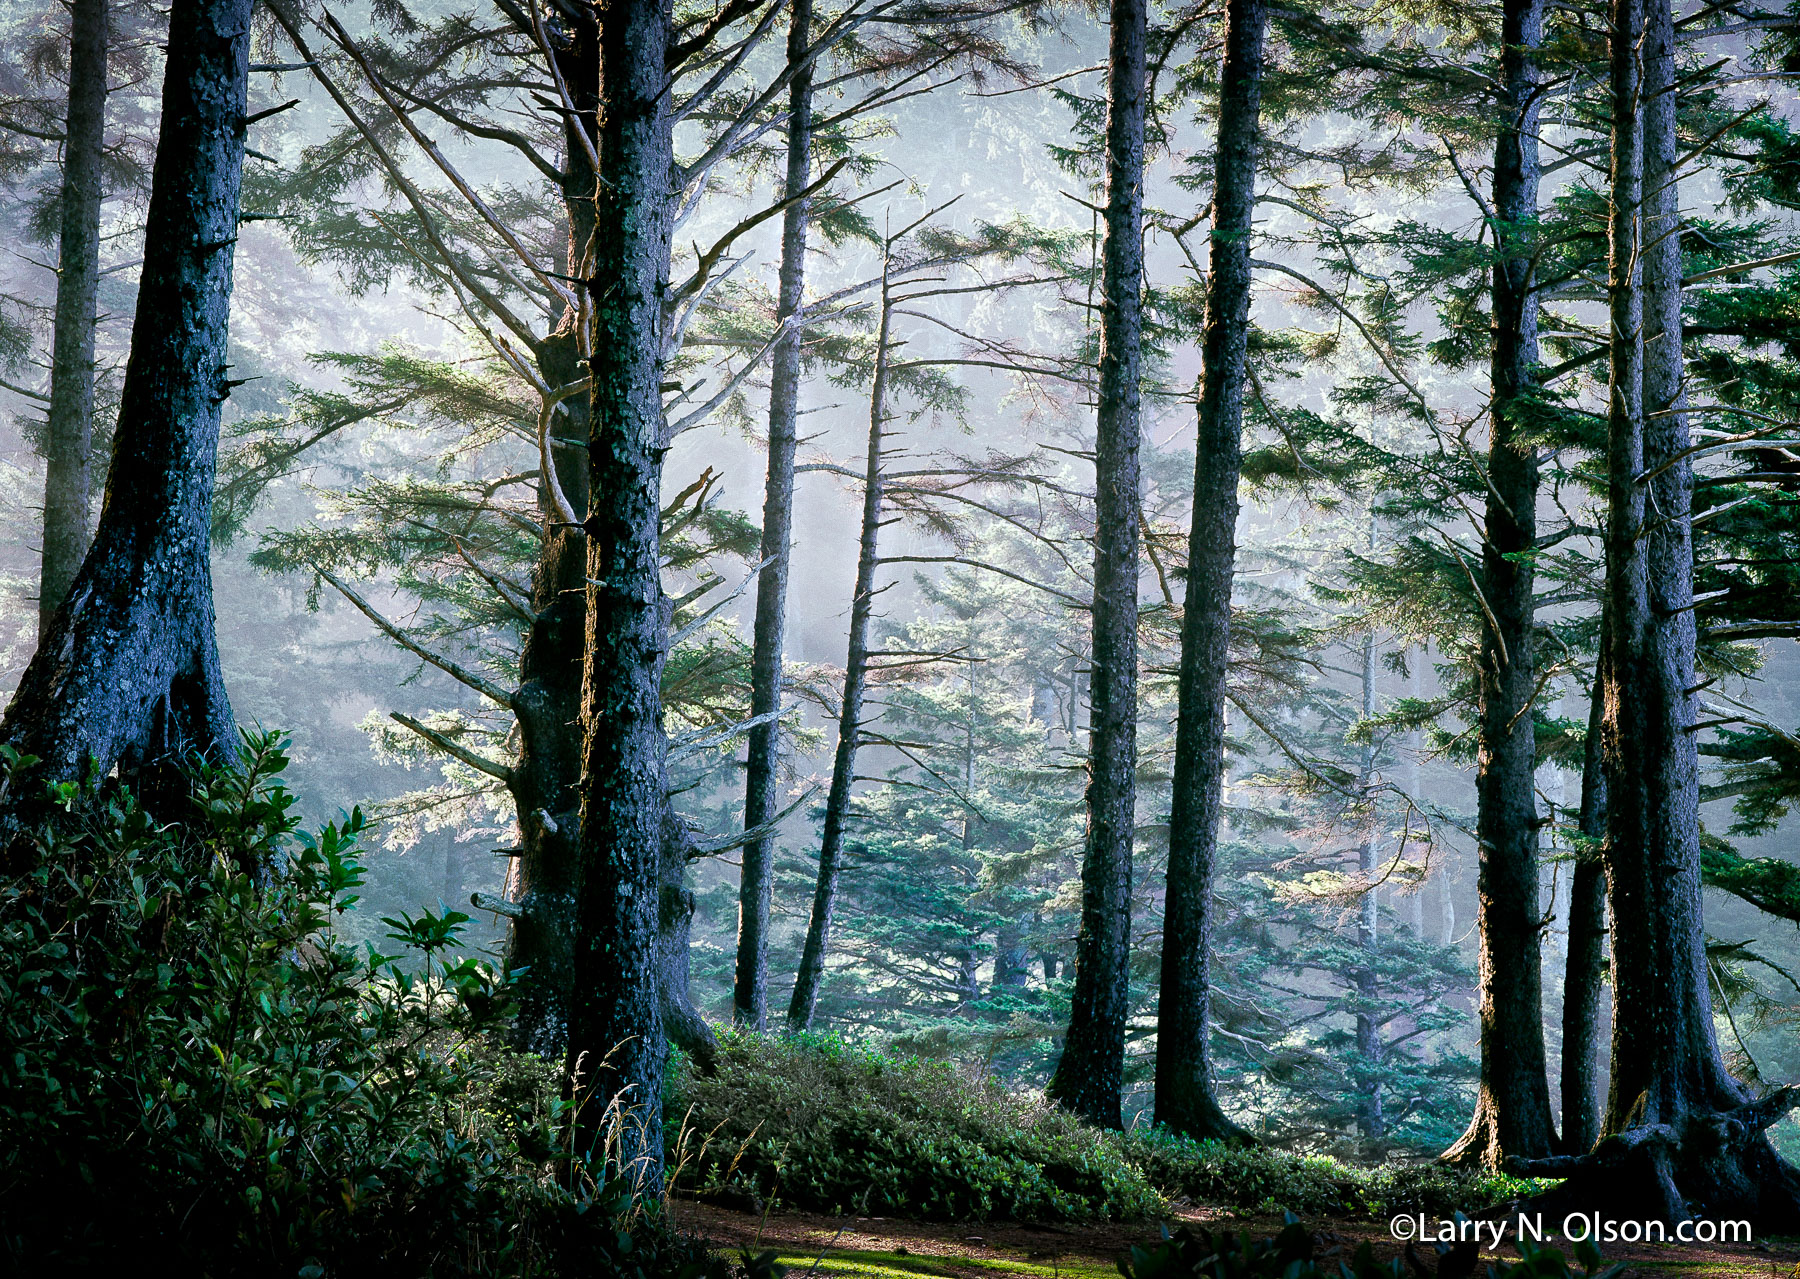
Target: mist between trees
x=719, y=486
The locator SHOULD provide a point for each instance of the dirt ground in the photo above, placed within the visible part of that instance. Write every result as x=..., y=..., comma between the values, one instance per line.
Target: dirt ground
x=884, y=1248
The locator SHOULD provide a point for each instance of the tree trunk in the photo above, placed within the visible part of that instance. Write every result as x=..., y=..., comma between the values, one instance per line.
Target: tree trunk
x=69, y=433
x=545, y=781
x=1586, y=968
x=1089, y=1072
x=856, y=660
x=1368, y=935
x=682, y=1022
x=616, y=1036
x=1512, y=1109
x=1185, y=1100
x=128, y=672
x=1682, y=1137
x=1666, y=1064
x=750, y=991
x=1012, y=969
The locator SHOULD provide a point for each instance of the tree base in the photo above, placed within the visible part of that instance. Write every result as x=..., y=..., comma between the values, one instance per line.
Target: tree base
x=1713, y=1164
x=1203, y=1120
x=1487, y=1143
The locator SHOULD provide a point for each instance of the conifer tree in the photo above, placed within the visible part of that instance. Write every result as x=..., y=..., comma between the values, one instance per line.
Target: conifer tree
x=1512, y=1113
x=128, y=674
x=750, y=990
x=1087, y=1077
x=68, y=434
x=1185, y=1100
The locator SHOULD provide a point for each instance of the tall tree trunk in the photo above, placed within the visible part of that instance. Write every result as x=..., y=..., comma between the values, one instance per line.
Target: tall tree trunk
x=750, y=990
x=1185, y=1100
x=856, y=661
x=1666, y=1067
x=128, y=672
x=1512, y=1108
x=1682, y=1137
x=1415, y=745
x=1089, y=1072
x=69, y=434
x=616, y=1035
x=1586, y=965
x=1368, y=934
x=545, y=780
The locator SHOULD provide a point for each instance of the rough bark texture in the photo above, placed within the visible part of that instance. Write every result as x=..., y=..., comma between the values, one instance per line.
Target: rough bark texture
x=1512, y=1108
x=1586, y=965
x=616, y=1036
x=1185, y=1099
x=545, y=781
x=1682, y=1137
x=128, y=673
x=750, y=990
x=69, y=431
x=856, y=662
x=1088, y=1074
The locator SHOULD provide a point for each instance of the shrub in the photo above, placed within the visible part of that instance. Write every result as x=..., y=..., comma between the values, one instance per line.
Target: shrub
x=196, y=1072
x=1263, y=1180
x=819, y=1124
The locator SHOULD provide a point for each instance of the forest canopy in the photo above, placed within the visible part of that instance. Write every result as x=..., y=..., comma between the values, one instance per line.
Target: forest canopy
x=948, y=609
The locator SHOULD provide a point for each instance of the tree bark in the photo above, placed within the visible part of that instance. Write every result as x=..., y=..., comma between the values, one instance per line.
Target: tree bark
x=1185, y=1100
x=1089, y=1073
x=616, y=1033
x=128, y=672
x=682, y=1022
x=1512, y=1108
x=69, y=432
x=807, y=980
x=1586, y=965
x=750, y=991
x=545, y=780
x=1682, y=1137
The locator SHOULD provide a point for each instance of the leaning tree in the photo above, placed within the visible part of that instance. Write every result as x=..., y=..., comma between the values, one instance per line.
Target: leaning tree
x=127, y=674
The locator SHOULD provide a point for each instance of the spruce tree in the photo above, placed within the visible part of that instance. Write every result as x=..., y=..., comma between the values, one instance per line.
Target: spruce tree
x=1087, y=1077
x=128, y=674
x=1185, y=1099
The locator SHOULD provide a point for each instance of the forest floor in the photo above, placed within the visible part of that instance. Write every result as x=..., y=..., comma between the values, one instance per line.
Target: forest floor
x=890, y=1248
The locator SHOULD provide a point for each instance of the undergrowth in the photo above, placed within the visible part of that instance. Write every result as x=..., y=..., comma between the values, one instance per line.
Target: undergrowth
x=815, y=1123
x=1257, y=1179
x=198, y=1076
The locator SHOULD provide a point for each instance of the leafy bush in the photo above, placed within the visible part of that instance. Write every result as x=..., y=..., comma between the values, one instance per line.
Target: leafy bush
x=1294, y=1254
x=818, y=1124
x=195, y=1070
x=1263, y=1180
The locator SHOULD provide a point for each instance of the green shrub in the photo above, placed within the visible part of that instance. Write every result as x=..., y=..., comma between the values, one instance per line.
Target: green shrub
x=1261, y=1180
x=196, y=1072
x=818, y=1124
x=1197, y=1253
